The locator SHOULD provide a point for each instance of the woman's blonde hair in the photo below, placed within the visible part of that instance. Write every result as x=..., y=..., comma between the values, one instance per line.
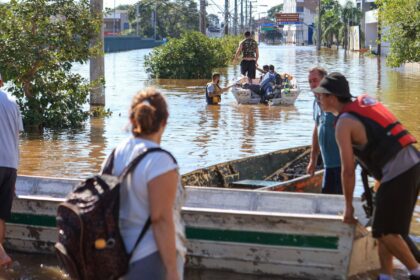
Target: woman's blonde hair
x=148, y=112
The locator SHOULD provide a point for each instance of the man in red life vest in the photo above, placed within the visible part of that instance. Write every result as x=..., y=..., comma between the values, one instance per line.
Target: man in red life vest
x=369, y=132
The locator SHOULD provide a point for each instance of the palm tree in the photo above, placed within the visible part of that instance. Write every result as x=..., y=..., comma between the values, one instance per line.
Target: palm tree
x=350, y=16
x=330, y=22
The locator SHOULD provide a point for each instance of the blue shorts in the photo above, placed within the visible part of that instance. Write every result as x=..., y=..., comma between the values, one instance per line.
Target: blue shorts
x=331, y=183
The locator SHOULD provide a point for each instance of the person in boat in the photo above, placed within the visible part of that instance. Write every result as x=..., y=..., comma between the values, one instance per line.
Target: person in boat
x=323, y=140
x=368, y=131
x=267, y=84
x=250, y=54
x=10, y=126
x=263, y=71
x=152, y=190
x=214, y=91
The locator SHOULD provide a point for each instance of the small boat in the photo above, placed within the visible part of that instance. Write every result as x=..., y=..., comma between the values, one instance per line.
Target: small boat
x=259, y=233
x=282, y=170
x=280, y=96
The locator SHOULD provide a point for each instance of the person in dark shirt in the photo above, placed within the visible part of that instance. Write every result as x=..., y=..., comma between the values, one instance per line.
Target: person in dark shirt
x=250, y=54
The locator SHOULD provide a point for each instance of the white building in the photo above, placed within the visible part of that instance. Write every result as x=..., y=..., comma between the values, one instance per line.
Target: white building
x=369, y=26
x=300, y=34
x=115, y=22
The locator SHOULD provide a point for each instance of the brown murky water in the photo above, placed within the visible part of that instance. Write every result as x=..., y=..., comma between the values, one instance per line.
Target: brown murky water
x=201, y=135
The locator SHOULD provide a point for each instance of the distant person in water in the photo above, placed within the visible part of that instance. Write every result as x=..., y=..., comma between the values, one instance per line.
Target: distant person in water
x=10, y=126
x=250, y=54
x=214, y=91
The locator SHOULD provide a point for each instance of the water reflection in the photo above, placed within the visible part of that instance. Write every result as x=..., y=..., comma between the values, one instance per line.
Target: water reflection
x=200, y=135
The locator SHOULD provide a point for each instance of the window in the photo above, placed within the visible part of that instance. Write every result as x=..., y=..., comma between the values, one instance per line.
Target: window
x=299, y=9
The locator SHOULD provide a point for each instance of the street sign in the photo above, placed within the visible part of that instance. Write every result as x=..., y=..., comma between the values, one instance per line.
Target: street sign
x=267, y=24
x=268, y=28
x=287, y=18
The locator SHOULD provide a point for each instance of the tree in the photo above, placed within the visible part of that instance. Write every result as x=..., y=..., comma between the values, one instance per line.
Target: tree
x=350, y=16
x=40, y=41
x=192, y=56
x=401, y=28
x=330, y=21
x=271, y=13
x=173, y=17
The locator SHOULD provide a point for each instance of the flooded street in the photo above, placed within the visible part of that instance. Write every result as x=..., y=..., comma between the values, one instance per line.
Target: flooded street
x=196, y=132
x=200, y=135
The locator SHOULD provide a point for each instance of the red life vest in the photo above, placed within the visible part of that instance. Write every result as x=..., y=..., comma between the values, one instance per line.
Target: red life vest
x=385, y=134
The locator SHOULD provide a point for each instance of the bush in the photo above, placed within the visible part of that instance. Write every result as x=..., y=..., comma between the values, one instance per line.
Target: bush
x=192, y=56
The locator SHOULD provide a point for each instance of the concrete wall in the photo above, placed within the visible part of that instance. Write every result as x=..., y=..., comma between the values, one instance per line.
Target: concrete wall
x=125, y=43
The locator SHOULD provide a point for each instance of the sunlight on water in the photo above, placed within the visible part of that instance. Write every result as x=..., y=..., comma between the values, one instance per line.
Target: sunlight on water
x=200, y=135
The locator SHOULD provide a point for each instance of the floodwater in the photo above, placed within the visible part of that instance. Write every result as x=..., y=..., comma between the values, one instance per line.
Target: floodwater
x=200, y=135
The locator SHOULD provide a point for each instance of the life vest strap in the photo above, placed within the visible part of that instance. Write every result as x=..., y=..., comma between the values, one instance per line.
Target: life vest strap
x=391, y=126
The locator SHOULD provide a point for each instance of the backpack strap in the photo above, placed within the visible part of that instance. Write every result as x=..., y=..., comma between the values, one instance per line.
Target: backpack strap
x=125, y=172
x=109, y=165
x=138, y=158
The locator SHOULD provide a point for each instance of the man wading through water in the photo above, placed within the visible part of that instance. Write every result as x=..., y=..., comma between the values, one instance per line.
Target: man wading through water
x=250, y=54
x=368, y=131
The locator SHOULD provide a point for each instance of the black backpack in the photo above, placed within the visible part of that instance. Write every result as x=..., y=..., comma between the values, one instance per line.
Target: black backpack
x=90, y=245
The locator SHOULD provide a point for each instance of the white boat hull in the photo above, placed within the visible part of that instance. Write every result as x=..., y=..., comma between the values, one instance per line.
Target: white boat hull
x=254, y=232
x=246, y=96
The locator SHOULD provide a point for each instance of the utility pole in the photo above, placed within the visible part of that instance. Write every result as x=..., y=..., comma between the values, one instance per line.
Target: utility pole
x=97, y=64
x=203, y=16
x=235, y=19
x=137, y=18
x=155, y=21
x=318, y=40
x=226, y=17
x=242, y=16
x=114, y=25
x=250, y=16
x=246, y=13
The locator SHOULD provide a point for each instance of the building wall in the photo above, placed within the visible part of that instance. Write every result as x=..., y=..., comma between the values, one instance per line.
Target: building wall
x=298, y=33
x=125, y=43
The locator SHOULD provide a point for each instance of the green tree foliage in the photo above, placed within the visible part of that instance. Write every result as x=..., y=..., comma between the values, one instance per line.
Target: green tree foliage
x=401, y=22
x=192, y=56
x=173, y=17
x=330, y=22
x=40, y=40
x=350, y=16
x=271, y=13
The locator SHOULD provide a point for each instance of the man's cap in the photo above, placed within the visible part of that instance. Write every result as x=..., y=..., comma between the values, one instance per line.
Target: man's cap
x=334, y=83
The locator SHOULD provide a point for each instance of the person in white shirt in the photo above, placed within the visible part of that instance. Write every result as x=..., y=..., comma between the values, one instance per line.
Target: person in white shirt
x=10, y=126
x=152, y=190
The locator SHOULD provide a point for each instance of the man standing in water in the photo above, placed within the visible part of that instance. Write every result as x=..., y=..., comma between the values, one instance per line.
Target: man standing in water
x=10, y=125
x=368, y=131
x=250, y=54
x=214, y=91
x=323, y=140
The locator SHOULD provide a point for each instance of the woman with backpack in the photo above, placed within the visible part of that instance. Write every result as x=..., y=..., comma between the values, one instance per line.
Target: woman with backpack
x=153, y=190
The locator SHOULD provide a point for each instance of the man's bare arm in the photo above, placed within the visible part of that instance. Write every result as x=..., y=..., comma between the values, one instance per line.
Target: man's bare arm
x=238, y=52
x=343, y=134
x=314, y=152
